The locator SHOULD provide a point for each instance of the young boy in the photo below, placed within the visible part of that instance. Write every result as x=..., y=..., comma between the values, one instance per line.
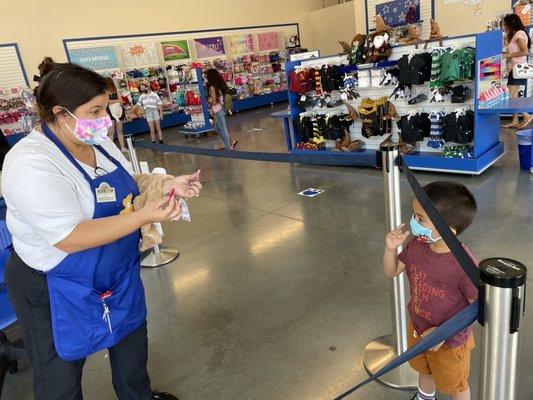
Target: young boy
x=439, y=289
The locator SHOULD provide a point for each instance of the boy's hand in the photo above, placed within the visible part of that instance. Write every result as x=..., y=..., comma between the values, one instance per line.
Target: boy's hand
x=396, y=238
x=426, y=333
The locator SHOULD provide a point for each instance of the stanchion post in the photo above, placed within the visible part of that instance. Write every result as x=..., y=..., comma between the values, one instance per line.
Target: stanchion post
x=383, y=350
x=133, y=155
x=157, y=257
x=502, y=296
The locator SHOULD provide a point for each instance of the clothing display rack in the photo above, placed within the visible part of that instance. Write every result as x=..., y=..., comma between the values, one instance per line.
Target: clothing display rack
x=483, y=143
x=200, y=122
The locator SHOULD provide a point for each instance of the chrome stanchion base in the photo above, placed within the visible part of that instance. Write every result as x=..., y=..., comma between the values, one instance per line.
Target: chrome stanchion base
x=379, y=353
x=159, y=257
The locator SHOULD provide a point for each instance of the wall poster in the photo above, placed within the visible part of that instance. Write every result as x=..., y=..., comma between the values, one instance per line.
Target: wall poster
x=240, y=44
x=209, y=47
x=137, y=54
x=176, y=50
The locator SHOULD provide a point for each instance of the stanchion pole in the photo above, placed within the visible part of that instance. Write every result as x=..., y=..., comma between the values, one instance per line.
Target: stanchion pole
x=133, y=155
x=383, y=350
x=502, y=296
x=157, y=257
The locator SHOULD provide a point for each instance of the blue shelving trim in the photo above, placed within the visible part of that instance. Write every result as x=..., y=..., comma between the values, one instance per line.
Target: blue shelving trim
x=435, y=162
x=140, y=125
x=510, y=106
x=259, y=101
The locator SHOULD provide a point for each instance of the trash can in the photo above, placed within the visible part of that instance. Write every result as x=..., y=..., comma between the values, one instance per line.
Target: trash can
x=524, y=139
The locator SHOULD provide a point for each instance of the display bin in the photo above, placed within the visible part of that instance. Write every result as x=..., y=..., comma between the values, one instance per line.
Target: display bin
x=524, y=140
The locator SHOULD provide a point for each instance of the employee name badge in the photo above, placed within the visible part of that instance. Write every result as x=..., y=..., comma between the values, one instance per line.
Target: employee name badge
x=105, y=193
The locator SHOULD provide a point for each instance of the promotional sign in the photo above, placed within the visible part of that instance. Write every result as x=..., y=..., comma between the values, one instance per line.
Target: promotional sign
x=399, y=12
x=95, y=58
x=240, y=44
x=209, y=47
x=176, y=50
x=135, y=55
x=268, y=41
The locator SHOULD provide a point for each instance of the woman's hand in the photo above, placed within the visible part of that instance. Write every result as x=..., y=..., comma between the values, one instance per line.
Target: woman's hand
x=184, y=186
x=162, y=210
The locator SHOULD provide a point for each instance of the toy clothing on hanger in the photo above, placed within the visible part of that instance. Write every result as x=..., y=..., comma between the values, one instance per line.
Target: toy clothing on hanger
x=414, y=127
x=436, y=139
x=458, y=127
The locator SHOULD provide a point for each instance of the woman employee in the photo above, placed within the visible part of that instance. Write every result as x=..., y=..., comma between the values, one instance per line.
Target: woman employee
x=74, y=277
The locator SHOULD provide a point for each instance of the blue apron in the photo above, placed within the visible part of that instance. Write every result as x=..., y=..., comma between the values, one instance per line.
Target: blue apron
x=96, y=295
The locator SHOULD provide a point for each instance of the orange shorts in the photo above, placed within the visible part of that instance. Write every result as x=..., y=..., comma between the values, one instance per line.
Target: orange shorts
x=449, y=366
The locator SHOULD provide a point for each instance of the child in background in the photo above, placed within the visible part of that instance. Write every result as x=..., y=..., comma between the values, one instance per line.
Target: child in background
x=439, y=289
x=218, y=89
x=153, y=110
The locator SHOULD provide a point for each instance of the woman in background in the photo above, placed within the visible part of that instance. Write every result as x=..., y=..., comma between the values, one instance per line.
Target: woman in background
x=218, y=89
x=518, y=46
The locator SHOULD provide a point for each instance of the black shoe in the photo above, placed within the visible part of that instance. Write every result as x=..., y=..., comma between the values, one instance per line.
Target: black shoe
x=161, y=142
x=418, y=99
x=153, y=141
x=163, y=396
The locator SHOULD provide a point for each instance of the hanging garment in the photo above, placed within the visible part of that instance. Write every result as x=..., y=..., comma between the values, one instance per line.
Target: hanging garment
x=415, y=70
x=376, y=116
x=458, y=128
x=436, y=139
x=415, y=128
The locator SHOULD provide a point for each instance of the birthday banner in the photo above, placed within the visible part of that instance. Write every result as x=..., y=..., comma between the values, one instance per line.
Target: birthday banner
x=176, y=50
x=95, y=58
x=240, y=44
x=136, y=55
x=268, y=41
x=209, y=47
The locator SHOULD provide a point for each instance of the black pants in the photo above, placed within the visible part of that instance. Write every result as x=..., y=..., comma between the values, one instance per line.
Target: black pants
x=57, y=379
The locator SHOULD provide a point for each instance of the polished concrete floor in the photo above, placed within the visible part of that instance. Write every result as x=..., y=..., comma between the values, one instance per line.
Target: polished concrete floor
x=275, y=295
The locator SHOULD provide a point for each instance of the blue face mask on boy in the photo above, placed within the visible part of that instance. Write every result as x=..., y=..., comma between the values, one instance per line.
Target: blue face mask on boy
x=421, y=233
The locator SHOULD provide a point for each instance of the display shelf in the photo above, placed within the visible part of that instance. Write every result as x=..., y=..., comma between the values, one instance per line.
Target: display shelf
x=487, y=146
x=259, y=101
x=139, y=125
x=519, y=105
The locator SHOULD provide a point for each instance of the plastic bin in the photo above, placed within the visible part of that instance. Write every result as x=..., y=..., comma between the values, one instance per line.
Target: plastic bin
x=524, y=139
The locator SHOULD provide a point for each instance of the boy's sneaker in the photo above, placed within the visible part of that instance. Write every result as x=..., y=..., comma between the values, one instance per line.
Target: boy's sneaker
x=415, y=396
x=163, y=396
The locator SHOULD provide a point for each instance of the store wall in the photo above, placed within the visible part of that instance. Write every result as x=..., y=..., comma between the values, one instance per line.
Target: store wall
x=331, y=24
x=458, y=19
x=454, y=18
x=39, y=27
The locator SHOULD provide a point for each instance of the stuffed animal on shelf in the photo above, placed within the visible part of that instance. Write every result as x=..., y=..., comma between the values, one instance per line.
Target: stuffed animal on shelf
x=357, y=50
x=381, y=25
x=346, y=48
x=133, y=86
x=125, y=99
x=434, y=34
x=413, y=36
x=380, y=48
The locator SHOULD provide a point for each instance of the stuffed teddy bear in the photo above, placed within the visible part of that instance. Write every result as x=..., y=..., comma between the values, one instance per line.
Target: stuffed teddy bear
x=151, y=188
